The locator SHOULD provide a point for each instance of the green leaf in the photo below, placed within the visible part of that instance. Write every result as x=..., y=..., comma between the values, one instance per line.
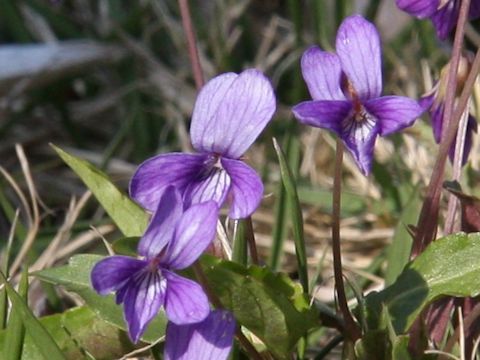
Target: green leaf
x=129, y=217
x=126, y=246
x=270, y=305
x=79, y=333
x=15, y=329
x=41, y=338
x=76, y=277
x=398, y=252
x=240, y=249
x=447, y=267
x=282, y=203
x=376, y=345
x=296, y=213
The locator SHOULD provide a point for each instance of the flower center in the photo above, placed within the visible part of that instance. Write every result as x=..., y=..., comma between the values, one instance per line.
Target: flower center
x=359, y=113
x=212, y=164
x=359, y=124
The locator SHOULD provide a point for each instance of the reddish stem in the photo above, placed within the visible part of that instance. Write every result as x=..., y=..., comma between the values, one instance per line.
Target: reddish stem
x=428, y=219
x=351, y=328
x=191, y=43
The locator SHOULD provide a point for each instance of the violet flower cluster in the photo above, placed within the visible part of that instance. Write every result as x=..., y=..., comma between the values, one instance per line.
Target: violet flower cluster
x=443, y=13
x=346, y=89
x=184, y=192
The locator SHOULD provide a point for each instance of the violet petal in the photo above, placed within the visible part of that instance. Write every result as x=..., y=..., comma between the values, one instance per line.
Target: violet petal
x=211, y=339
x=212, y=186
x=246, y=189
x=445, y=19
x=142, y=301
x=394, y=113
x=195, y=230
x=111, y=273
x=474, y=9
x=358, y=47
x=156, y=173
x=426, y=101
x=325, y=114
x=185, y=301
x=436, y=117
x=359, y=138
x=322, y=72
x=241, y=109
x=162, y=225
x=419, y=8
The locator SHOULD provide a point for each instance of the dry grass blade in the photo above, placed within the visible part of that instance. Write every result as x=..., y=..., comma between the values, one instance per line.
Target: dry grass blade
x=50, y=255
x=444, y=354
x=35, y=224
x=83, y=240
x=20, y=194
x=131, y=355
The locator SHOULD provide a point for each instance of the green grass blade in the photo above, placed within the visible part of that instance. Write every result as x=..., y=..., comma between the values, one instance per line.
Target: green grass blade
x=129, y=217
x=372, y=10
x=398, y=253
x=240, y=252
x=15, y=330
x=321, y=23
x=42, y=339
x=296, y=213
x=282, y=205
x=4, y=268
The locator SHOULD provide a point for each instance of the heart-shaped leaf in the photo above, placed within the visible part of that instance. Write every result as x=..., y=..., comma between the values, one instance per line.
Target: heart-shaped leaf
x=76, y=277
x=77, y=332
x=269, y=304
x=447, y=267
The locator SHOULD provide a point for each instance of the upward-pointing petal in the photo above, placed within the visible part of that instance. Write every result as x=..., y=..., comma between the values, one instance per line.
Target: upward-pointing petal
x=162, y=225
x=194, y=232
x=242, y=106
x=358, y=47
x=322, y=73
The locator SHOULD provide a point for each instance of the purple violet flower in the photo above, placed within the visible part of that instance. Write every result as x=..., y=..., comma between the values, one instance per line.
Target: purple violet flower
x=230, y=112
x=346, y=89
x=210, y=339
x=173, y=240
x=434, y=103
x=442, y=13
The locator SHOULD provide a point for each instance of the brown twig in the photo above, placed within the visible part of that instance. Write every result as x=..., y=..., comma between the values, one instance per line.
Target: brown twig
x=191, y=43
